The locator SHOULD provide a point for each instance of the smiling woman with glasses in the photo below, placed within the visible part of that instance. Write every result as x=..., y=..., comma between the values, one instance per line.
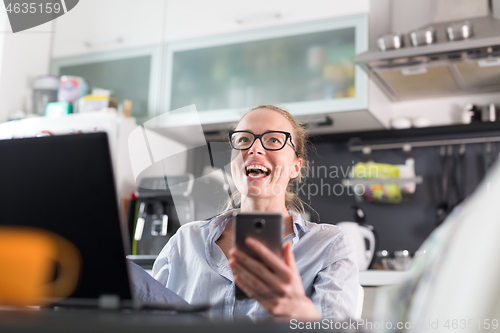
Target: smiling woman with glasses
x=317, y=276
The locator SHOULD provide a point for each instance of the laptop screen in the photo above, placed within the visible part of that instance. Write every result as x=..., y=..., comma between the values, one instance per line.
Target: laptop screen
x=65, y=184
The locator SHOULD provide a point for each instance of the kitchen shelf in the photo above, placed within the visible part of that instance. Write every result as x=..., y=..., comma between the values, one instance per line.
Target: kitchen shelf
x=375, y=181
x=451, y=132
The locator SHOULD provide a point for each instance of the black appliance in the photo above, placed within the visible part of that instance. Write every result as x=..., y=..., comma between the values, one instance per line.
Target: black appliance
x=156, y=214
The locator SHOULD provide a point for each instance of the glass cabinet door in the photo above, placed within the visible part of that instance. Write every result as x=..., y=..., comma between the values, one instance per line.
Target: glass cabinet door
x=308, y=68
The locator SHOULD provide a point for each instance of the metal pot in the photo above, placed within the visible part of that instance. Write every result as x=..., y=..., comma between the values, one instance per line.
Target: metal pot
x=390, y=41
x=424, y=36
x=459, y=31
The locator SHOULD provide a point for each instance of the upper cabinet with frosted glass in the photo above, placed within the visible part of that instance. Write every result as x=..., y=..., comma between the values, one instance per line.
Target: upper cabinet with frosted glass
x=306, y=67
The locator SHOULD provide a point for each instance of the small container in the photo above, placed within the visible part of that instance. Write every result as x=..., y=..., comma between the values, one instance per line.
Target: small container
x=459, y=31
x=489, y=113
x=420, y=122
x=424, y=36
x=71, y=88
x=390, y=41
x=401, y=123
x=402, y=260
x=44, y=92
x=380, y=261
x=58, y=109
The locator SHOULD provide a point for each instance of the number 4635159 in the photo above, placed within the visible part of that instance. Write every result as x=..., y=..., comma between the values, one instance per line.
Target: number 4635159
x=33, y=8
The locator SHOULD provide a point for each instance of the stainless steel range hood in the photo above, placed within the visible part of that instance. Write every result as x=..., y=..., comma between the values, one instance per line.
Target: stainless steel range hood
x=440, y=69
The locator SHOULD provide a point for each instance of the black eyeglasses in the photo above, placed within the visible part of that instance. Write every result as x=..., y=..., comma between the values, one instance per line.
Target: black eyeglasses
x=272, y=140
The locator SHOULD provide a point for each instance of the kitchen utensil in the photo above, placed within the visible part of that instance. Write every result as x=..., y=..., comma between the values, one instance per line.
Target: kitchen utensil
x=488, y=158
x=391, y=41
x=424, y=36
x=461, y=175
x=360, y=232
x=442, y=208
x=459, y=31
x=407, y=171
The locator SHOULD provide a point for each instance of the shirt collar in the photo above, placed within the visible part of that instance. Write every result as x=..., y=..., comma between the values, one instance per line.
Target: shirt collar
x=299, y=226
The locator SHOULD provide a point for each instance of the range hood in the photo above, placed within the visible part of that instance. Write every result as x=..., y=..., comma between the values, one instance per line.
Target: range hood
x=441, y=69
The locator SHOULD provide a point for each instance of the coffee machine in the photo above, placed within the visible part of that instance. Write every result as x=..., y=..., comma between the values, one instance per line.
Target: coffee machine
x=156, y=216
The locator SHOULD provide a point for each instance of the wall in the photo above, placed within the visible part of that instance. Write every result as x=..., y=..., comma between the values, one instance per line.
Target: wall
x=412, y=14
x=23, y=56
x=402, y=226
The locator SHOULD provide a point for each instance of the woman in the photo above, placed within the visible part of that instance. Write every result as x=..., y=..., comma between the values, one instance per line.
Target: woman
x=317, y=277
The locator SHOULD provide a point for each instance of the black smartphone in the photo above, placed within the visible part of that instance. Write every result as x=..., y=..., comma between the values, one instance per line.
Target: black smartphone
x=265, y=227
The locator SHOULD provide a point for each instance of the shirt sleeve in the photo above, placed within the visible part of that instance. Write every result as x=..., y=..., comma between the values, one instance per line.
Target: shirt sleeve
x=161, y=266
x=335, y=288
x=147, y=290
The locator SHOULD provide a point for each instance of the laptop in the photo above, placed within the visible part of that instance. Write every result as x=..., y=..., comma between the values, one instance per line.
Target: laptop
x=65, y=184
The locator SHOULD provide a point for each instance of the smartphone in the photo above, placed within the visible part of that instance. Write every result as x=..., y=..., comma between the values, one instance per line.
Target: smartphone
x=265, y=227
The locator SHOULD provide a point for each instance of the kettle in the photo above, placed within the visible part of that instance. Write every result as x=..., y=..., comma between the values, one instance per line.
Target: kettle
x=361, y=232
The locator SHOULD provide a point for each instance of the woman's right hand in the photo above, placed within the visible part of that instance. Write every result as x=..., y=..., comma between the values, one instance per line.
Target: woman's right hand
x=275, y=283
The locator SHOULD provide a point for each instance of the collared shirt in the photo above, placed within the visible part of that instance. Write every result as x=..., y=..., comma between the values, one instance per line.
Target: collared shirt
x=193, y=266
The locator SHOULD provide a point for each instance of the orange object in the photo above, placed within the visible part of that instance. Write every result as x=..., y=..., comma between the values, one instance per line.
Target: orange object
x=28, y=259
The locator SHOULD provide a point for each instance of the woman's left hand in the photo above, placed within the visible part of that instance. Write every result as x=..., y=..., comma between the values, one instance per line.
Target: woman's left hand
x=274, y=283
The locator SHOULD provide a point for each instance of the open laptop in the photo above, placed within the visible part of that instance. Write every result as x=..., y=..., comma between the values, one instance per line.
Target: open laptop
x=65, y=184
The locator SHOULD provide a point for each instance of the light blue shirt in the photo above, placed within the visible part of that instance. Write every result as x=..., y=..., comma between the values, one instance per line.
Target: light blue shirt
x=193, y=266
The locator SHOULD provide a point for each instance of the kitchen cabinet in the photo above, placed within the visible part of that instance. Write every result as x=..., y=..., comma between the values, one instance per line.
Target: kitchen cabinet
x=96, y=26
x=194, y=18
x=131, y=73
x=308, y=68
x=301, y=59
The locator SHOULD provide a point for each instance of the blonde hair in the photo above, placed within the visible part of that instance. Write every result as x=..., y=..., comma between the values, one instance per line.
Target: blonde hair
x=301, y=140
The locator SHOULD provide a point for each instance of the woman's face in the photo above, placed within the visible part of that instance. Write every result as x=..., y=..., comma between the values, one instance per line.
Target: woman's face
x=258, y=172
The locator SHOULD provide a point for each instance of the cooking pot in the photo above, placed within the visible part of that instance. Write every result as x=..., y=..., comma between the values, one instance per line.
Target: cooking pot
x=390, y=41
x=459, y=30
x=425, y=36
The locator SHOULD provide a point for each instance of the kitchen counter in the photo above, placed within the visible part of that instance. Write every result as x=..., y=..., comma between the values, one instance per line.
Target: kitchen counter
x=376, y=278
